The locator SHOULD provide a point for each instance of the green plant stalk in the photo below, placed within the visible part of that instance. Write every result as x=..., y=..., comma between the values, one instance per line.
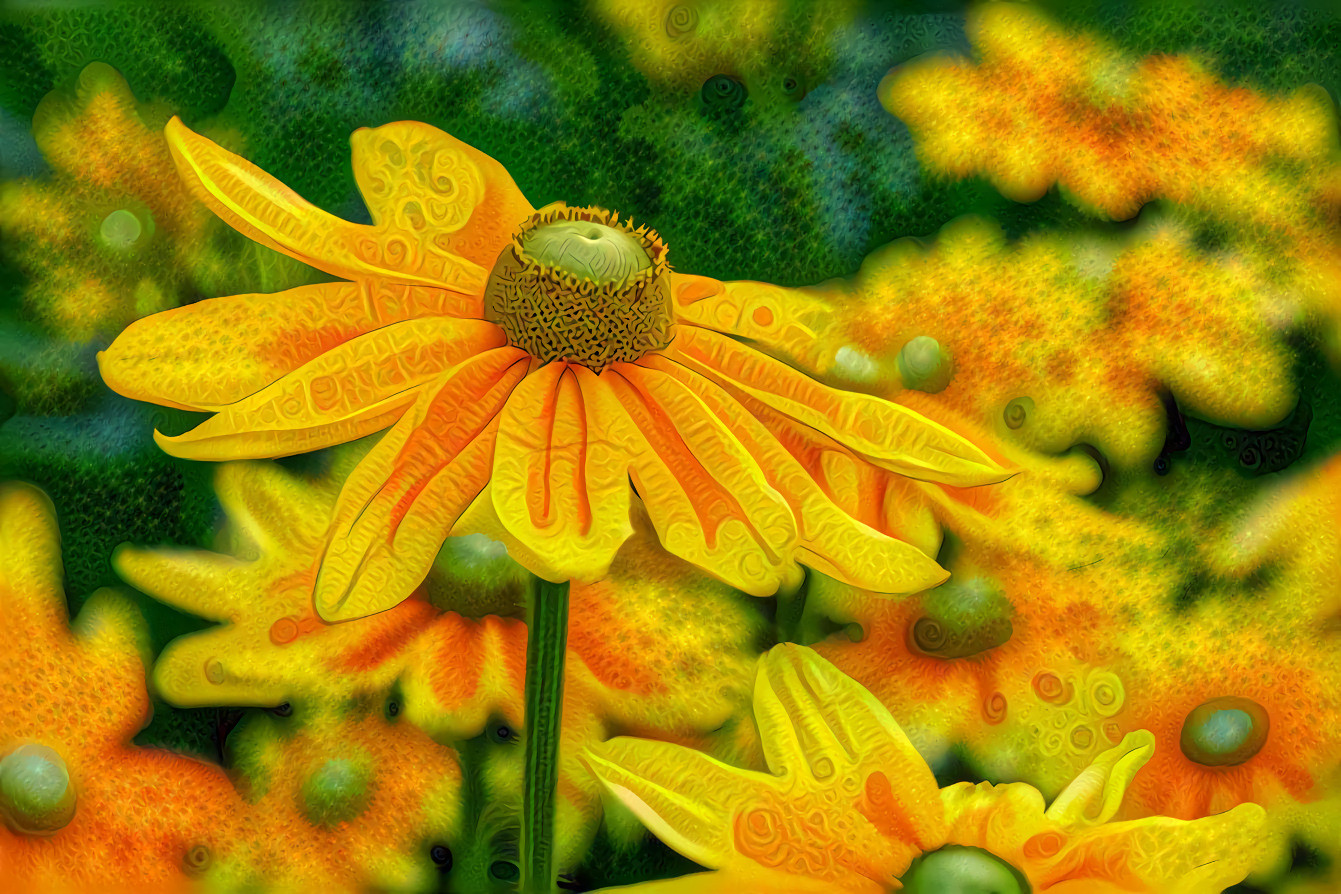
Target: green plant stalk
x=546, y=641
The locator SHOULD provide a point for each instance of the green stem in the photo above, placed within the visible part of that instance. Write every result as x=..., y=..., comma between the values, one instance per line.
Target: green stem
x=547, y=638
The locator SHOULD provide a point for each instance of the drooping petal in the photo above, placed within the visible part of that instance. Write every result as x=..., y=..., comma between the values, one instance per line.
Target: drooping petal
x=684, y=797
x=890, y=435
x=216, y=352
x=353, y=390
x=706, y=496
x=400, y=502
x=781, y=320
x=430, y=186
x=266, y=211
x=558, y=485
x=828, y=538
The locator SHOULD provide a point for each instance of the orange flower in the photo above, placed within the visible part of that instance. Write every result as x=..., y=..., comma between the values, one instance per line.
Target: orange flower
x=530, y=365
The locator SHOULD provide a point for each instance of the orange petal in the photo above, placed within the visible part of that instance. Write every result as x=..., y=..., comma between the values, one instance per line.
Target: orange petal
x=266, y=211
x=351, y=391
x=430, y=186
x=892, y=436
x=400, y=502
x=216, y=352
x=790, y=322
x=706, y=496
x=561, y=492
x=828, y=538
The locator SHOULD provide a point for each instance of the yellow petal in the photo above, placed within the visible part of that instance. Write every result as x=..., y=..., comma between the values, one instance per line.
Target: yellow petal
x=198, y=582
x=788, y=322
x=266, y=211
x=430, y=186
x=687, y=799
x=812, y=717
x=270, y=509
x=752, y=879
x=1095, y=795
x=1006, y=820
x=31, y=593
x=401, y=501
x=558, y=486
x=1161, y=855
x=353, y=390
x=892, y=436
x=828, y=539
x=706, y=496
x=216, y=352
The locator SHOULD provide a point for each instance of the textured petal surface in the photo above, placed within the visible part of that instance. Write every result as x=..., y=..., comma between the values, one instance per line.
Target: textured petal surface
x=266, y=211
x=829, y=539
x=217, y=352
x=558, y=484
x=706, y=495
x=1159, y=854
x=813, y=717
x=353, y=390
x=892, y=436
x=430, y=187
x=684, y=797
x=789, y=322
x=825, y=813
x=401, y=501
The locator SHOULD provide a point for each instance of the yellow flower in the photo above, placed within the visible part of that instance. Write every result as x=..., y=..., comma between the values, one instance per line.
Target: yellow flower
x=529, y=365
x=849, y=805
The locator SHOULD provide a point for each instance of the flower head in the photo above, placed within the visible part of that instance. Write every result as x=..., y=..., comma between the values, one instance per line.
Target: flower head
x=849, y=805
x=530, y=366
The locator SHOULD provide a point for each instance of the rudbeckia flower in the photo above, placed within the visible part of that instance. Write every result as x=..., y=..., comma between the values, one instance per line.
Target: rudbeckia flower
x=849, y=805
x=530, y=365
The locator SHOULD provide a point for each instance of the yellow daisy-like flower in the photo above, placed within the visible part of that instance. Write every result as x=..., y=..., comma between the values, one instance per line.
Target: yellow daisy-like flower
x=529, y=365
x=849, y=805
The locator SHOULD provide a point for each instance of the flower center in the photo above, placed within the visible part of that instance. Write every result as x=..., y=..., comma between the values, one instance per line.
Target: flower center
x=577, y=284
x=962, y=870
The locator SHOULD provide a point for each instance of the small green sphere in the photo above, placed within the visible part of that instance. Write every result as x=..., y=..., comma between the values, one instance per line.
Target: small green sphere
x=587, y=250
x=962, y=870
x=121, y=229
x=36, y=797
x=924, y=365
x=337, y=791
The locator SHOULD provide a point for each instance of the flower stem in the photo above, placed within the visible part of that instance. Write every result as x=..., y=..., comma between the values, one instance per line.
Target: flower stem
x=547, y=638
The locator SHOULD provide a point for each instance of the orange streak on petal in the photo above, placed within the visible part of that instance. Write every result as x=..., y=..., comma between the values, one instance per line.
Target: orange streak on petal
x=400, y=502
x=339, y=395
x=384, y=636
x=703, y=489
x=891, y=435
x=564, y=498
x=832, y=540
